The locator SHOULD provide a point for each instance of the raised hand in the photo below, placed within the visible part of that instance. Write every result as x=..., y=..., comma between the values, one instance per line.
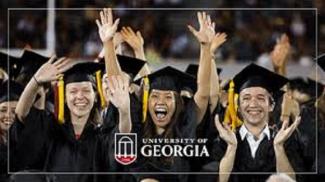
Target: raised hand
x=106, y=27
x=281, y=51
x=51, y=71
x=206, y=32
x=118, y=92
x=285, y=132
x=225, y=132
x=217, y=40
x=135, y=40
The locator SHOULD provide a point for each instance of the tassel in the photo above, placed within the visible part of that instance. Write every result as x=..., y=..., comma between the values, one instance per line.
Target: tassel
x=61, y=100
x=238, y=121
x=145, y=98
x=56, y=101
x=231, y=117
x=100, y=89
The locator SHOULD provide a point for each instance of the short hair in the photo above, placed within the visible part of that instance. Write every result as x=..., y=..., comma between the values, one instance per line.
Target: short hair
x=280, y=177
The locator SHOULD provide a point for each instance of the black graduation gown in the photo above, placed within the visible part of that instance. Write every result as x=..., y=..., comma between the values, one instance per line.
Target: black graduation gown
x=110, y=125
x=264, y=160
x=307, y=129
x=3, y=163
x=44, y=145
x=185, y=128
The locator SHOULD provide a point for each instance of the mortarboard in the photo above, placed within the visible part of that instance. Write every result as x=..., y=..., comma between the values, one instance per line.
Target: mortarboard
x=321, y=61
x=257, y=76
x=169, y=78
x=82, y=71
x=12, y=93
x=13, y=65
x=308, y=86
x=129, y=65
x=31, y=61
x=192, y=69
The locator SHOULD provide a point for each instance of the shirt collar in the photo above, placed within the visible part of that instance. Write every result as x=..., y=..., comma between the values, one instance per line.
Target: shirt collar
x=243, y=132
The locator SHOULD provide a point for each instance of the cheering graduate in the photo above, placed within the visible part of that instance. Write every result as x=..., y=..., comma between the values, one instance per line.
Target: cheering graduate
x=255, y=147
x=164, y=113
x=73, y=140
x=8, y=102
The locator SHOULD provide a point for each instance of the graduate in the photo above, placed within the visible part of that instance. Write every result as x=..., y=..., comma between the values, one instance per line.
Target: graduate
x=71, y=141
x=167, y=117
x=9, y=95
x=165, y=114
x=254, y=146
x=8, y=102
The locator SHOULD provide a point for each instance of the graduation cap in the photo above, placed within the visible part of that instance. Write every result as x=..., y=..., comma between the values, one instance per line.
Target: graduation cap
x=82, y=71
x=129, y=65
x=167, y=78
x=30, y=62
x=257, y=76
x=13, y=65
x=321, y=61
x=306, y=86
x=79, y=72
x=192, y=69
x=10, y=91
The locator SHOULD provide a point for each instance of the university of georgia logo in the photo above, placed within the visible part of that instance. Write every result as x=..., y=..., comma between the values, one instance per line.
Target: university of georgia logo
x=125, y=148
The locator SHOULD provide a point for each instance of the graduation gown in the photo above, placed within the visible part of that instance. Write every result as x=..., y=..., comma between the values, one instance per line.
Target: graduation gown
x=110, y=125
x=3, y=163
x=264, y=160
x=42, y=144
x=184, y=128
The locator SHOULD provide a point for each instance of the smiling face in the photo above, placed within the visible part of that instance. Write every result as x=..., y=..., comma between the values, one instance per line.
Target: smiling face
x=254, y=105
x=7, y=114
x=80, y=98
x=162, y=106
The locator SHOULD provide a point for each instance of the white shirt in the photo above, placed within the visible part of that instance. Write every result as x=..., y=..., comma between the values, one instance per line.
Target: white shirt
x=253, y=144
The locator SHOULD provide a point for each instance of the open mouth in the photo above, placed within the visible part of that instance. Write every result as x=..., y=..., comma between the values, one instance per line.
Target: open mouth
x=254, y=111
x=81, y=104
x=161, y=112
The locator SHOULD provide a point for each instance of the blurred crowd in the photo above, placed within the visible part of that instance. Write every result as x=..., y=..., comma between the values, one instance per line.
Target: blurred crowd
x=253, y=32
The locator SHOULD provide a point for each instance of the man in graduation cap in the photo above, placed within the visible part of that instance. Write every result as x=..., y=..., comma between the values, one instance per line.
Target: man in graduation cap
x=255, y=147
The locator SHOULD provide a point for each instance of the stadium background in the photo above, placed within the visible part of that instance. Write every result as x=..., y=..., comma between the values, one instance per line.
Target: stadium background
x=67, y=27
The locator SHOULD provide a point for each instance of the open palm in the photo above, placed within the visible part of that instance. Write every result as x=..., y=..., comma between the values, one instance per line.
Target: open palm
x=106, y=27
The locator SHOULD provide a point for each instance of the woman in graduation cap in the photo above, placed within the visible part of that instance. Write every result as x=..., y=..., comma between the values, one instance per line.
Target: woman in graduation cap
x=8, y=102
x=72, y=141
x=255, y=147
x=164, y=113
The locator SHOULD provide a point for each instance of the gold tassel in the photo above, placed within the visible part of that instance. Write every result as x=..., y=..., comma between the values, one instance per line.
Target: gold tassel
x=231, y=117
x=146, y=88
x=100, y=89
x=61, y=100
